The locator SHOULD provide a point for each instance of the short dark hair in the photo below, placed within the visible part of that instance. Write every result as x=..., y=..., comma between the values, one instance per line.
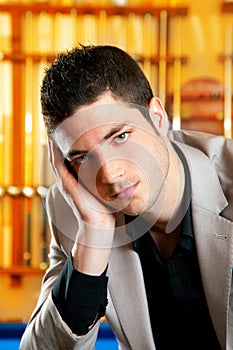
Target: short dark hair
x=80, y=76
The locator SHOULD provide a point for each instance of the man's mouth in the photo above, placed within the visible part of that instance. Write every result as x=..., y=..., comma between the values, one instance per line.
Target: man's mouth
x=126, y=193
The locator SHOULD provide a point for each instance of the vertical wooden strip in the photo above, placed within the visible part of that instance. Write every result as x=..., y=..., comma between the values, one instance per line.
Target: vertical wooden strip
x=1, y=164
x=1, y=123
x=228, y=83
x=29, y=141
x=138, y=25
x=147, y=46
x=130, y=34
x=17, y=158
x=27, y=239
x=7, y=259
x=56, y=19
x=1, y=228
x=102, y=28
x=177, y=76
x=7, y=229
x=163, y=56
x=73, y=18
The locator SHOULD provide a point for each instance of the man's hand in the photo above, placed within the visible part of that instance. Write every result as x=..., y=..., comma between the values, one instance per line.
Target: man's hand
x=96, y=222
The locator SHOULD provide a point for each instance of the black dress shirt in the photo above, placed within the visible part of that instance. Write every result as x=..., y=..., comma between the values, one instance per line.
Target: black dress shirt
x=80, y=299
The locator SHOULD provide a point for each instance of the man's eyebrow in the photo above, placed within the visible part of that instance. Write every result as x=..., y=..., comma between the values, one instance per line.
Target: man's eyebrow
x=76, y=152
x=114, y=131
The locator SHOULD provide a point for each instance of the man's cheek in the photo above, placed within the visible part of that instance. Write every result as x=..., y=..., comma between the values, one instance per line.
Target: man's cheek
x=88, y=180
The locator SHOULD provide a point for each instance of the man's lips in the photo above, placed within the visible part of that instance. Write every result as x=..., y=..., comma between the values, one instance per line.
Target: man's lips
x=126, y=193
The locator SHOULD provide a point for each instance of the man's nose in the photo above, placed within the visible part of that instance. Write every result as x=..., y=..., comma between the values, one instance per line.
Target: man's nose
x=110, y=172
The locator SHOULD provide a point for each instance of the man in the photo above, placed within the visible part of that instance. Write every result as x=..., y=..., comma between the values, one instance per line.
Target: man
x=141, y=216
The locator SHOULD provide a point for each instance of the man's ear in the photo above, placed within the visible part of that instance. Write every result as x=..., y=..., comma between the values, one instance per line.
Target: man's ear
x=158, y=116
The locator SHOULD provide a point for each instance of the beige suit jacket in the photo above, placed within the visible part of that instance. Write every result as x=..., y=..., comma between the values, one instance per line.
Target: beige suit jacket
x=210, y=162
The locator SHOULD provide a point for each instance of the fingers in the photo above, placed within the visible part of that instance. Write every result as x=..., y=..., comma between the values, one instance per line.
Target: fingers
x=58, y=164
x=82, y=202
x=56, y=158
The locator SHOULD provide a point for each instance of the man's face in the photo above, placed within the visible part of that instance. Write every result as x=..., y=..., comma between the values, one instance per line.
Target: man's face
x=118, y=155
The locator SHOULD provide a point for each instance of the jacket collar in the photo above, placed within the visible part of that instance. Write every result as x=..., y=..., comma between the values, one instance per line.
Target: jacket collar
x=206, y=188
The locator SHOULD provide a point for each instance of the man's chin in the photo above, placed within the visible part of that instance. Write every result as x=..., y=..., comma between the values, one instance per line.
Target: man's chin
x=116, y=205
x=130, y=206
x=132, y=210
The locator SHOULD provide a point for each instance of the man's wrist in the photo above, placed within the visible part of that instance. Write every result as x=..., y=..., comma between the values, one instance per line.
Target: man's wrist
x=89, y=260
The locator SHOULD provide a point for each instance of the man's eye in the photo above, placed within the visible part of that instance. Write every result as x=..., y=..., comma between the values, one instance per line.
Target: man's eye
x=79, y=160
x=122, y=137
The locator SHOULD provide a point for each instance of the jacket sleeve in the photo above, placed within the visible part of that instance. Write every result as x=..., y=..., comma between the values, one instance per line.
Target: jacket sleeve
x=46, y=329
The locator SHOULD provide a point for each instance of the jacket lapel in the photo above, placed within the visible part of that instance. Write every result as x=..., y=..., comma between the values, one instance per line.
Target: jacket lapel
x=126, y=287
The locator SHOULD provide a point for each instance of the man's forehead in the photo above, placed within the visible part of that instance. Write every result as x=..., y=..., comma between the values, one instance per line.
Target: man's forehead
x=98, y=117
